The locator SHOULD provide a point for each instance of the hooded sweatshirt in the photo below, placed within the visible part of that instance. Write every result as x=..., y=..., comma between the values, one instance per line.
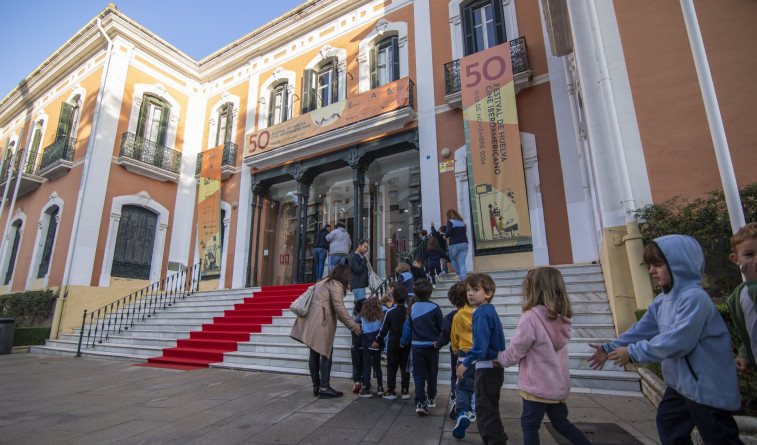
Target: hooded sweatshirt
x=683, y=330
x=540, y=347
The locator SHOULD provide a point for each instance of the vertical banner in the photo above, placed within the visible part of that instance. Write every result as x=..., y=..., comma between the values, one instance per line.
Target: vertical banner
x=209, y=211
x=495, y=162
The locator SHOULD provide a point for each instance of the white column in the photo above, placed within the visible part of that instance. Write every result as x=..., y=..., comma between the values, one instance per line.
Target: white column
x=426, y=113
x=186, y=191
x=83, y=243
x=535, y=204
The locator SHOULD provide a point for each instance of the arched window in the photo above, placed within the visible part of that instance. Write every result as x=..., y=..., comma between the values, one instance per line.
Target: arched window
x=153, y=119
x=16, y=228
x=483, y=25
x=320, y=86
x=385, y=62
x=278, y=108
x=225, y=124
x=134, y=243
x=69, y=117
x=52, y=227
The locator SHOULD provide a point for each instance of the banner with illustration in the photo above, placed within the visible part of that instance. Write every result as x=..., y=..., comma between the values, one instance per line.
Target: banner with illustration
x=209, y=211
x=389, y=97
x=495, y=162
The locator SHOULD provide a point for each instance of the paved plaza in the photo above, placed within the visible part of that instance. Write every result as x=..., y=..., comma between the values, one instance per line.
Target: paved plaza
x=49, y=399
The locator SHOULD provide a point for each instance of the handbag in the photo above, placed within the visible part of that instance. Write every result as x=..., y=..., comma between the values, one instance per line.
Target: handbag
x=301, y=305
x=374, y=281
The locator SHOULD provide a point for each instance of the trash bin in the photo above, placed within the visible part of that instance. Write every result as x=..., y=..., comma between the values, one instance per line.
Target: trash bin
x=7, y=328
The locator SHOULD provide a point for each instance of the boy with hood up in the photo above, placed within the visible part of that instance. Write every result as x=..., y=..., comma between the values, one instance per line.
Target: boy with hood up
x=683, y=330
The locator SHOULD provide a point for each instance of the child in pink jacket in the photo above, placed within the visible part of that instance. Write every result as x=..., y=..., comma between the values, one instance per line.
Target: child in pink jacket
x=540, y=347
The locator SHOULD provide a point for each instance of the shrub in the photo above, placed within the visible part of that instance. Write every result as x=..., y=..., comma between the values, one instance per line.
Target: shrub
x=706, y=219
x=30, y=308
x=30, y=336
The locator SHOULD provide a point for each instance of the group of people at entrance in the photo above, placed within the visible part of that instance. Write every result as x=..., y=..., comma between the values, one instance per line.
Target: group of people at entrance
x=681, y=328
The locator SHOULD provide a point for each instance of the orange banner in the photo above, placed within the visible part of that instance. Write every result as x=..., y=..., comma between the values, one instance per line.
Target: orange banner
x=209, y=211
x=495, y=162
x=372, y=103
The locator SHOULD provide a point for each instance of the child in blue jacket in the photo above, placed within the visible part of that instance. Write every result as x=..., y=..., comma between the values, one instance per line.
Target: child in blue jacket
x=683, y=330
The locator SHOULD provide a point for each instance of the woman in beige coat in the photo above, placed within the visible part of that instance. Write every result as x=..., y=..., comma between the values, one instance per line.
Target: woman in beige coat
x=318, y=328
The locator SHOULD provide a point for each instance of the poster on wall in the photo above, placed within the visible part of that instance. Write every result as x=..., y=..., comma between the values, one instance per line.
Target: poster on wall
x=499, y=204
x=383, y=99
x=209, y=212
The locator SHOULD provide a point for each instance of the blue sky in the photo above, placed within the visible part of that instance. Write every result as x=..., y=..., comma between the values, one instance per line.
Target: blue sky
x=31, y=32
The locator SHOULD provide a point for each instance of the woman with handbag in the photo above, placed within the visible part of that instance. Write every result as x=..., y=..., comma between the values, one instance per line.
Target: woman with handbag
x=317, y=329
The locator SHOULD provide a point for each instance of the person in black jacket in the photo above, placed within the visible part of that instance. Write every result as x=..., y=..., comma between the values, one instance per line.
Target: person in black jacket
x=440, y=237
x=359, y=270
x=320, y=251
x=396, y=356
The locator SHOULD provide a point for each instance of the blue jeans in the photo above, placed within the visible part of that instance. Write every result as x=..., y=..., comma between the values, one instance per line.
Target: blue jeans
x=465, y=389
x=457, y=253
x=359, y=294
x=533, y=414
x=319, y=255
x=335, y=259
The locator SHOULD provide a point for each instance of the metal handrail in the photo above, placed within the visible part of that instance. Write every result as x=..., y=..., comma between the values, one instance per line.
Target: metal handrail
x=61, y=149
x=120, y=315
x=518, y=55
x=229, y=157
x=149, y=152
x=408, y=257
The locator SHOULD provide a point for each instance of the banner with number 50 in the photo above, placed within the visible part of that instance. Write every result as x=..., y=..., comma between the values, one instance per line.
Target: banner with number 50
x=495, y=162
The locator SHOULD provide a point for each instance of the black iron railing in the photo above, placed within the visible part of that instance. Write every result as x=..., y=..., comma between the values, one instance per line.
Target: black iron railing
x=7, y=166
x=31, y=162
x=149, y=152
x=229, y=157
x=120, y=315
x=408, y=257
x=518, y=53
x=60, y=150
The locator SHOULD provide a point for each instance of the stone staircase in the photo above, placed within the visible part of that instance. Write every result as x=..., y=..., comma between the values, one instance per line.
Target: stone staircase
x=273, y=350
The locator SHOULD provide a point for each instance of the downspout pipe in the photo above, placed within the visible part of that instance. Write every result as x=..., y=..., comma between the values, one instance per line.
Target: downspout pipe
x=711, y=107
x=82, y=188
x=642, y=285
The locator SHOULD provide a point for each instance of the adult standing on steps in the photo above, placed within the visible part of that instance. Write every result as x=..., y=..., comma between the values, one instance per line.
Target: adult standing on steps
x=339, y=245
x=359, y=270
x=457, y=238
x=317, y=329
x=320, y=250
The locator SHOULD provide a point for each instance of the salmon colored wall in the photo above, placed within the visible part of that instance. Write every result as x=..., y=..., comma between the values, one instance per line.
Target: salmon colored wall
x=535, y=116
x=529, y=25
x=66, y=187
x=669, y=106
x=449, y=134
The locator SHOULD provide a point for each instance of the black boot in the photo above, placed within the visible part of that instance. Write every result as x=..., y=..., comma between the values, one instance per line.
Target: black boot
x=316, y=390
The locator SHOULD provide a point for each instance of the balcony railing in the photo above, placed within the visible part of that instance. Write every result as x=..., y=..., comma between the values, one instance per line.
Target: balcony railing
x=60, y=150
x=149, y=152
x=31, y=163
x=518, y=53
x=7, y=164
x=229, y=157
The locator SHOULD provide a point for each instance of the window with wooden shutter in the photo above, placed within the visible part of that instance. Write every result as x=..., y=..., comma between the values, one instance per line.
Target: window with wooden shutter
x=134, y=243
x=385, y=64
x=14, y=252
x=278, y=107
x=308, y=93
x=67, y=120
x=483, y=25
x=153, y=120
x=31, y=162
x=225, y=124
x=47, y=251
x=327, y=85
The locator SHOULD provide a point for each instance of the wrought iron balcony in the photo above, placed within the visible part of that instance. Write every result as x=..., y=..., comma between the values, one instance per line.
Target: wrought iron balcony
x=57, y=158
x=228, y=164
x=148, y=158
x=7, y=164
x=29, y=180
x=521, y=72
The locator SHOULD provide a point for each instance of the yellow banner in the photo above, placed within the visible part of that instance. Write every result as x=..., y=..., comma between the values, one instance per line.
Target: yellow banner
x=209, y=211
x=372, y=103
x=495, y=162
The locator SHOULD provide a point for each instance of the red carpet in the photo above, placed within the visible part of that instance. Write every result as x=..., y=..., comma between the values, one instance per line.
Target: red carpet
x=207, y=346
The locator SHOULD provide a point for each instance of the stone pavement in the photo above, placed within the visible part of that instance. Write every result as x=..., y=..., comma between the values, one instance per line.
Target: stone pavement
x=47, y=399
